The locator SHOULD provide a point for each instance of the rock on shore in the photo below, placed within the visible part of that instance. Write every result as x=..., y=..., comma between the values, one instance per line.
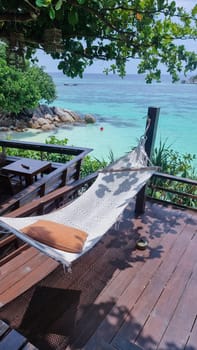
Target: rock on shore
x=44, y=118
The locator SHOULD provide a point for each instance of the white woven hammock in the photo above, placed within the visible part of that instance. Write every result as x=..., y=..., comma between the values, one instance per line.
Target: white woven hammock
x=97, y=209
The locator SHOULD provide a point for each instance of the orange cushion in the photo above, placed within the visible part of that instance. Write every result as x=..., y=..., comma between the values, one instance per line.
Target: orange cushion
x=68, y=239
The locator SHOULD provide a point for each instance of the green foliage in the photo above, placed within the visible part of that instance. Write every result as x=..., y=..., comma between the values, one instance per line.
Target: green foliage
x=173, y=162
x=173, y=191
x=23, y=89
x=110, y=30
x=53, y=140
x=42, y=82
x=22, y=153
x=53, y=157
x=56, y=157
x=91, y=165
x=37, y=155
x=177, y=164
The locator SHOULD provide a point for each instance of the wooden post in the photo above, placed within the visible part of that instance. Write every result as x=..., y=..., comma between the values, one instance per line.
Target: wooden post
x=151, y=124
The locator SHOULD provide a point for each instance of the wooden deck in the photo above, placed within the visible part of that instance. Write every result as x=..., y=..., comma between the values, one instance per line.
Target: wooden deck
x=12, y=340
x=117, y=297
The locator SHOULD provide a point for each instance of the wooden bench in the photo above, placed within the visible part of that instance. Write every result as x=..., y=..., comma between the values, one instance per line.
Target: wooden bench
x=25, y=266
x=62, y=194
x=13, y=340
x=23, y=271
x=21, y=267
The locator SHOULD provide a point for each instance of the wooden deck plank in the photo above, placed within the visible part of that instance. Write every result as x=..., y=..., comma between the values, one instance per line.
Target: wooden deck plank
x=126, y=345
x=3, y=327
x=7, y=240
x=135, y=289
x=145, y=304
x=15, y=276
x=29, y=346
x=13, y=254
x=112, y=291
x=13, y=341
x=18, y=261
x=181, y=324
x=168, y=297
x=27, y=279
x=113, y=283
x=192, y=340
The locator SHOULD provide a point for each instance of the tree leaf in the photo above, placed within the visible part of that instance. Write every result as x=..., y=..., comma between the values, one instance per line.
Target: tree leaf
x=52, y=13
x=112, y=32
x=58, y=5
x=160, y=4
x=43, y=3
x=81, y=2
x=194, y=10
x=73, y=17
x=40, y=3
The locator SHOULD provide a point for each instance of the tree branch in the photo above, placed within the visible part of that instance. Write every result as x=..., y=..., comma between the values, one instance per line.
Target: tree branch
x=19, y=17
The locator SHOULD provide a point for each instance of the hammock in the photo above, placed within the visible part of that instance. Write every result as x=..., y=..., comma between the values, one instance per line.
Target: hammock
x=97, y=209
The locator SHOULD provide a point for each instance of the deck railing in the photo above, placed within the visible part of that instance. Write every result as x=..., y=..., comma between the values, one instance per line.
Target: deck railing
x=174, y=190
x=63, y=195
x=41, y=147
x=62, y=174
x=163, y=188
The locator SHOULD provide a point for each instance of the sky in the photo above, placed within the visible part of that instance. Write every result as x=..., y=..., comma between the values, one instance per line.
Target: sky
x=50, y=65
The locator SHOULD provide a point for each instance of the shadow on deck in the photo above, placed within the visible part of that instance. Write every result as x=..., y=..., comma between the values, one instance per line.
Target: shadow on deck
x=118, y=297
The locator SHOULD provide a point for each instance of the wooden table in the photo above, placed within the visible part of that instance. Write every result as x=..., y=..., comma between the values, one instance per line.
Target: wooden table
x=28, y=168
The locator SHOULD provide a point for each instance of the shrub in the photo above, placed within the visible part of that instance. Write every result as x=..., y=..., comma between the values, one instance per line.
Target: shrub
x=176, y=164
x=173, y=162
x=23, y=89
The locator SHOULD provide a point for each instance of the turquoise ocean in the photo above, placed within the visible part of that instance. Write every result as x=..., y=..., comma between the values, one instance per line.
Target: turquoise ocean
x=120, y=107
